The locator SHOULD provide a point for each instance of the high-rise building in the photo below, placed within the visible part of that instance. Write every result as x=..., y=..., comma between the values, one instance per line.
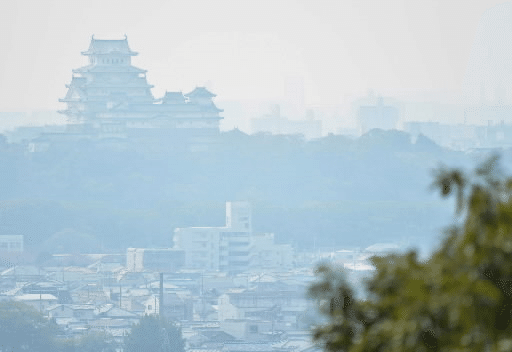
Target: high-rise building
x=223, y=248
x=233, y=248
x=380, y=116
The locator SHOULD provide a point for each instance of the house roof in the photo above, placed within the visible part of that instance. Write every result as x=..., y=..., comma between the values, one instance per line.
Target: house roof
x=247, y=347
x=263, y=278
x=35, y=297
x=200, y=92
x=102, y=47
x=108, y=69
x=173, y=97
x=72, y=306
x=381, y=247
x=217, y=335
x=111, y=311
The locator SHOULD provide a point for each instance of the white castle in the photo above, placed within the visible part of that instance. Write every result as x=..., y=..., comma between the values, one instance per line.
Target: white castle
x=110, y=100
x=110, y=90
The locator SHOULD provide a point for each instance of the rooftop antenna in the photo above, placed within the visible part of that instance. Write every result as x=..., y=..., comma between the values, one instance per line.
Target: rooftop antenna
x=125, y=37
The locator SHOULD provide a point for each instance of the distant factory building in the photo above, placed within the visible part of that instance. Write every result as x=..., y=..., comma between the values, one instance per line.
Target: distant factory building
x=380, y=116
x=276, y=124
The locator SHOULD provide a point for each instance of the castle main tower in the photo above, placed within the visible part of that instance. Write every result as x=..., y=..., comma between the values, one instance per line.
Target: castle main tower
x=110, y=96
x=109, y=82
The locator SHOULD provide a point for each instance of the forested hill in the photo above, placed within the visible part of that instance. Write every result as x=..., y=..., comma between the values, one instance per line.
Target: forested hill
x=332, y=191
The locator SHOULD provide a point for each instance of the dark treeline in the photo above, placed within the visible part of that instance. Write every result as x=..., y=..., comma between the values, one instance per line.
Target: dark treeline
x=331, y=191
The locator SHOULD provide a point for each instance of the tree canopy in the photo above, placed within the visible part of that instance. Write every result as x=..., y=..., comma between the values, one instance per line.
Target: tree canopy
x=23, y=328
x=459, y=299
x=154, y=333
x=107, y=197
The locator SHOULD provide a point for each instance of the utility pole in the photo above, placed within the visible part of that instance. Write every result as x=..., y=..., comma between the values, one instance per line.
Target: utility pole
x=166, y=345
x=203, y=308
x=161, y=304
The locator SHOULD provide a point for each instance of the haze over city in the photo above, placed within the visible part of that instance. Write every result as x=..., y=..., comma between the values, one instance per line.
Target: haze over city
x=234, y=176
x=247, y=52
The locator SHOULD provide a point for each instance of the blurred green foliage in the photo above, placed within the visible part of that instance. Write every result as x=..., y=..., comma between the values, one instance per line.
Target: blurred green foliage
x=23, y=328
x=459, y=299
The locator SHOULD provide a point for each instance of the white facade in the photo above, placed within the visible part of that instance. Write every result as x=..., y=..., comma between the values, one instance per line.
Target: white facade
x=214, y=248
x=39, y=301
x=232, y=248
x=11, y=243
x=238, y=216
x=268, y=255
x=218, y=248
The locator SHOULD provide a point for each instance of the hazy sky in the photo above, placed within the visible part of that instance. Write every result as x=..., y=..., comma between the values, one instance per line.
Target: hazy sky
x=242, y=49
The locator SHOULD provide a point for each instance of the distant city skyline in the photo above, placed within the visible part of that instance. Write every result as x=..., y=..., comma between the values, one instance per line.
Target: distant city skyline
x=245, y=51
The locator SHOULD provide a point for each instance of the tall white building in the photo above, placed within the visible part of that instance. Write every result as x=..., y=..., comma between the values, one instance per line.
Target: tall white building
x=218, y=248
x=231, y=248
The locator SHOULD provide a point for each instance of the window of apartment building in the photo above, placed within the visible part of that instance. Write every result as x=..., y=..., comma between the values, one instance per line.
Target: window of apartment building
x=253, y=329
x=3, y=245
x=238, y=253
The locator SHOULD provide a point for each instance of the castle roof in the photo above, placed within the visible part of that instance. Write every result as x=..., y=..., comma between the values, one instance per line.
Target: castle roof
x=103, y=47
x=173, y=98
x=108, y=69
x=78, y=81
x=184, y=107
x=200, y=92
